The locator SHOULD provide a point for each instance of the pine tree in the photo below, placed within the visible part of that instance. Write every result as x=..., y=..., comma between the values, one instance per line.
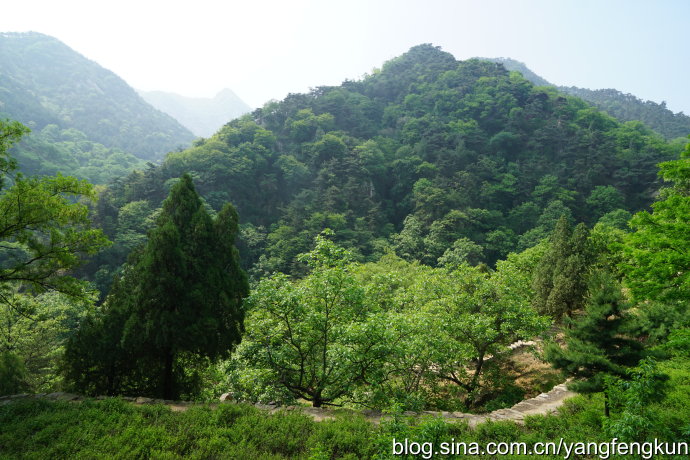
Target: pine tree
x=182, y=301
x=598, y=344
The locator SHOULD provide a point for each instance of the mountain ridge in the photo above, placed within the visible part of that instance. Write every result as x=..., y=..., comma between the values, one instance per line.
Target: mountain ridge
x=44, y=81
x=435, y=159
x=623, y=106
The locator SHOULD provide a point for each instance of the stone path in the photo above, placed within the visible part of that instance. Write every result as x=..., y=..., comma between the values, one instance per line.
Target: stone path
x=543, y=404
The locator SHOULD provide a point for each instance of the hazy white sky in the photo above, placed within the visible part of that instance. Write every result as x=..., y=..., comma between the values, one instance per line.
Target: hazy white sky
x=265, y=49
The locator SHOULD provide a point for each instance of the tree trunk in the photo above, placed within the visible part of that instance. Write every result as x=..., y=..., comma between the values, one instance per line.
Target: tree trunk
x=111, y=381
x=168, y=375
x=317, y=402
x=474, y=383
x=477, y=372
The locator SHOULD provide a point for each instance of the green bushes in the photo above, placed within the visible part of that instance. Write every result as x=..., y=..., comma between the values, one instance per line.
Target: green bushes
x=113, y=428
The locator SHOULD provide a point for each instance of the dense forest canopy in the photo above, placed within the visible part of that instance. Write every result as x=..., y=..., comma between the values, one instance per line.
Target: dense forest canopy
x=432, y=158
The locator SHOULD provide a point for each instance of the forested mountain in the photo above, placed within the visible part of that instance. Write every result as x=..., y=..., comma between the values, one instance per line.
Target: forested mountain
x=436, y=159
x=43, y=82
x=487, y=212
x=625, y=107
x=202, y=116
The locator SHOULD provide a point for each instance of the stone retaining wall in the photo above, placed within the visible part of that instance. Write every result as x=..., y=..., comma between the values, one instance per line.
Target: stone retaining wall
x=545, y=403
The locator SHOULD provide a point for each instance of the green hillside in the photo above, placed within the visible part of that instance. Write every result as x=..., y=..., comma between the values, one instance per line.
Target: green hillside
x=68, y=151
x=44, y=82
x=429, y=157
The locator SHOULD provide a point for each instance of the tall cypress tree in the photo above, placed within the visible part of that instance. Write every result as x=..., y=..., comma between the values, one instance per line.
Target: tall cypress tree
x=560, y=283
x=188, y=297
x=184, y=298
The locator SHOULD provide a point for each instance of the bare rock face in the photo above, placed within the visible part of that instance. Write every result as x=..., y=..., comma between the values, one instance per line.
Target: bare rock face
x=225, y=397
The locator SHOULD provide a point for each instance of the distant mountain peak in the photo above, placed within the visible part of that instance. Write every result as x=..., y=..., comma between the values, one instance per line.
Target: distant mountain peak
x=514, y=65
x=224, y=93
x=202, y=116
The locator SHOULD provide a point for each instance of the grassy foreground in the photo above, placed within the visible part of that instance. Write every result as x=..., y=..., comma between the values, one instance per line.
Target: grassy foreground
x=116, y=429
x=113, y=428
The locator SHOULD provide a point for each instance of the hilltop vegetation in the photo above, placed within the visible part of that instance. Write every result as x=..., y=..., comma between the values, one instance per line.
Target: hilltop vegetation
x=82, y=115
x=429, y=157
x=625, y=107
